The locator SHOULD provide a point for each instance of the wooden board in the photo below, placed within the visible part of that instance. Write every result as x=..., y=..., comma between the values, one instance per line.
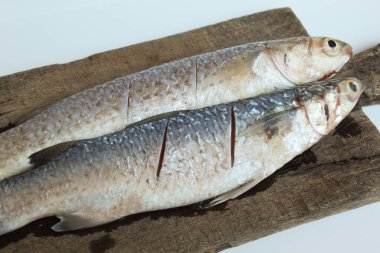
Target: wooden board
x=340, y=173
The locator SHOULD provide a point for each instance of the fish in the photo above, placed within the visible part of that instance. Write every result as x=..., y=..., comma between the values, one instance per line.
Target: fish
x=207, y=155
x=195, y=82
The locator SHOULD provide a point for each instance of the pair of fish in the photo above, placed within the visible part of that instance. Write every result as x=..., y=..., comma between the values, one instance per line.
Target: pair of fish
x=218, y=151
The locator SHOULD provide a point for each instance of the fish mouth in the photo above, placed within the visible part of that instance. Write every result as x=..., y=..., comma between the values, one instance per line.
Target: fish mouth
x=348, y=50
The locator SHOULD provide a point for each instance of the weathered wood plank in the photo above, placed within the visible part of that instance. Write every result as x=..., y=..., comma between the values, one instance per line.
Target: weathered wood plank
x=339, y=173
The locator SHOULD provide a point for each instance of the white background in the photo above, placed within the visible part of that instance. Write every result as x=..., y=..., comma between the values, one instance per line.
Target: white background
x=41, y=32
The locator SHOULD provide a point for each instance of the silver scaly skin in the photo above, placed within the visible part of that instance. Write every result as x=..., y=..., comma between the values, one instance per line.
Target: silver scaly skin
x=204, y=80
x=217, y=152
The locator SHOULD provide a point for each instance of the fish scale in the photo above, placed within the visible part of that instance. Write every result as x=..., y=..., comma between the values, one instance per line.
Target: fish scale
x=195, y=82
x=176, y=160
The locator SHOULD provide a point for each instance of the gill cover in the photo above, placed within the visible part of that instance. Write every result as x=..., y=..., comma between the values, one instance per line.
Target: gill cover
x=306, y=59
x=326, y=110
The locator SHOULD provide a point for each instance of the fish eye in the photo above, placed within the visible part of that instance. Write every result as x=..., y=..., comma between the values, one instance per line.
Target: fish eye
x=331, y=43
x=330, y=47
x=353, y=86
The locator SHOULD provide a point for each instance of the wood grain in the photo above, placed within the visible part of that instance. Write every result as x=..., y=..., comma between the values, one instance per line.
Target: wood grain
x=339, y=173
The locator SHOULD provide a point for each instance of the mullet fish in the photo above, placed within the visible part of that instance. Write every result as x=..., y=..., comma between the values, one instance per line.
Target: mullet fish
x=217, y=152
x=220, y=77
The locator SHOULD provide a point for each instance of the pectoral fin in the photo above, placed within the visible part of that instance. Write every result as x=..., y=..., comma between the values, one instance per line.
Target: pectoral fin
x=229, y=195
x=269, y=126
x=75, y=221
x=45, y=155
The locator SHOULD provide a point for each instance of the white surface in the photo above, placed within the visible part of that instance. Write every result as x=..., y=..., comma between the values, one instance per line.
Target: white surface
x=42, y=32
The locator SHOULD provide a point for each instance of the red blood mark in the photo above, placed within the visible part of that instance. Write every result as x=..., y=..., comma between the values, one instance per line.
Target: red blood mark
x=162, y=152
x=233, y=136
x=327, y=76
x=326, y=110
x=297, y=102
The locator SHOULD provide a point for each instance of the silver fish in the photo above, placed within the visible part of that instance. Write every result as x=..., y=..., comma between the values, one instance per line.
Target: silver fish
x=204, y=80
x=217, y=152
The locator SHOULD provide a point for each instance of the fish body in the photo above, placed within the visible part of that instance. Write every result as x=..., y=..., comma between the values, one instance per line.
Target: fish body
x=191, y=156
x=204, y=80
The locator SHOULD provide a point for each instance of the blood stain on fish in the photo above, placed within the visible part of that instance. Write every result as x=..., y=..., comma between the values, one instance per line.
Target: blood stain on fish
x=327, y=114
x=327, y=76
x=270, y=131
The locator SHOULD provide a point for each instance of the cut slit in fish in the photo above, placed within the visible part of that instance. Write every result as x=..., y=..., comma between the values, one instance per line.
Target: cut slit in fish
x=106, y=178
x=265, y=123
x=199, y=81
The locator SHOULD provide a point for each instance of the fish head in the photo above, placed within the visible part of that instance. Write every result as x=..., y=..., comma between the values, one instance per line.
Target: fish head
x=329, y=104
x=307, y=59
